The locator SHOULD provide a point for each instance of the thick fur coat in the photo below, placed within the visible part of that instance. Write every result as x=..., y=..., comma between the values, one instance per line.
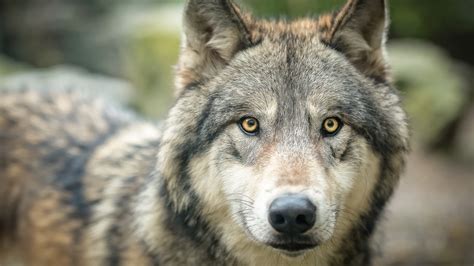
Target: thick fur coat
x=84, y=183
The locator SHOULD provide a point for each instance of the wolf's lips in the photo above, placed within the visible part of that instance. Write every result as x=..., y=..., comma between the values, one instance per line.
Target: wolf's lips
x=293, y=247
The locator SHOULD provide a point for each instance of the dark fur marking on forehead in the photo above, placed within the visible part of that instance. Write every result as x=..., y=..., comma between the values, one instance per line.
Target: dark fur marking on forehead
x=210, y=125
x=217, y=115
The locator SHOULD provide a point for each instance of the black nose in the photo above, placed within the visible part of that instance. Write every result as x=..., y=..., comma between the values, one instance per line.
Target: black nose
x=292, y=214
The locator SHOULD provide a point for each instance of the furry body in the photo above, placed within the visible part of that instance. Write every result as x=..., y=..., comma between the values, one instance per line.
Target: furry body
x=82, y=183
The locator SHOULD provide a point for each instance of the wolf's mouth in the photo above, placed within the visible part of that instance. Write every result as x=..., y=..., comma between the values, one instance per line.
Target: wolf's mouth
x=293, y=247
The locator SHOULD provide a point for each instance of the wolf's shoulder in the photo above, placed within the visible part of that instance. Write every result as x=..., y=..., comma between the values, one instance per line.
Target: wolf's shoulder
x=70, y=106
x=59, y=132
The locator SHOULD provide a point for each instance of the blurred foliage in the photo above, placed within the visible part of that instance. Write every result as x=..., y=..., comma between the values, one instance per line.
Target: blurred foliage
x=421, y=18
x=291, y=8
x=146, y=49
x=427, y=18
x=8, y=66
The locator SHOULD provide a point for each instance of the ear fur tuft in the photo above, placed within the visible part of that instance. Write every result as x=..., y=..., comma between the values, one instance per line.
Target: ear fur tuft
x=359, y=32
x=214, y=32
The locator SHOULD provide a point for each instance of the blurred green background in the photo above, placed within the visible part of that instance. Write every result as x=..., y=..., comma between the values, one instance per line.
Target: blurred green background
x=126, y=50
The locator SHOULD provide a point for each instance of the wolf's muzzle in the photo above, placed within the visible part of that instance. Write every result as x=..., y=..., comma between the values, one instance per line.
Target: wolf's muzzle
x=292, y=215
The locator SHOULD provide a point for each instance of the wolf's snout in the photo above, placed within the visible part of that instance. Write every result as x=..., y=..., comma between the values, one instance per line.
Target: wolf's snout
x=292, y=214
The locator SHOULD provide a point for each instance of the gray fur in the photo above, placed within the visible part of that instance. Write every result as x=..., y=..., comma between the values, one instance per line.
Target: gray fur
x=84, y=184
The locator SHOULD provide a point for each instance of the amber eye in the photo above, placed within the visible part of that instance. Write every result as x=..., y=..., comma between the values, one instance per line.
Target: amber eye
x=331, y=126
x=249, y=125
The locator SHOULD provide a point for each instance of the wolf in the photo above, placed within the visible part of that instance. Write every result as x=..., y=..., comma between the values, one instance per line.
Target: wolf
x=286, y=141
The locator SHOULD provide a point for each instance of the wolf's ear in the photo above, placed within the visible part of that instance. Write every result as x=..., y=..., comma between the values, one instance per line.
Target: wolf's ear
x=359, y=32
x=214, y=31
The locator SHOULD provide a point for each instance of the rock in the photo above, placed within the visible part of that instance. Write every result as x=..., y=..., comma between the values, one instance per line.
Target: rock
x=434, y=87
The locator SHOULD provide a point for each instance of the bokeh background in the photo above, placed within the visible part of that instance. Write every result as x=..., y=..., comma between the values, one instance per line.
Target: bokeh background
x=125, y=50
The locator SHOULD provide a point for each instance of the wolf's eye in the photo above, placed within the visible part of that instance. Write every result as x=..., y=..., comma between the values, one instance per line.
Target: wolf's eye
x=331, y=126
x=249, y=125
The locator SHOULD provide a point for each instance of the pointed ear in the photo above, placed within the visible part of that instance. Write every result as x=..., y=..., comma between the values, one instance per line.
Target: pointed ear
x=359, y=32
x=214, y=31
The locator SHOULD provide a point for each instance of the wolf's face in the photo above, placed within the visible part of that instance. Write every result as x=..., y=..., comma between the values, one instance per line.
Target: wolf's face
x=290, y=122
x=290, y=150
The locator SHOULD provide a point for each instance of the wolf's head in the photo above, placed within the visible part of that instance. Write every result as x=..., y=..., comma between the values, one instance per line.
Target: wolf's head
x=286, y=136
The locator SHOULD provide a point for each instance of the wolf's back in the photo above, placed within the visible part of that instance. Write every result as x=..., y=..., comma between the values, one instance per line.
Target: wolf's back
x=46, y=139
